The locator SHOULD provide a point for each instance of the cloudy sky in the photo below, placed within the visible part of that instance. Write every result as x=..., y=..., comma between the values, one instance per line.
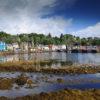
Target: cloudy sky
x=77, y=17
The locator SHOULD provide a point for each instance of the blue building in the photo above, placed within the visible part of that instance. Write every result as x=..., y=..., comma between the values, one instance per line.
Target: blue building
x=2, y=46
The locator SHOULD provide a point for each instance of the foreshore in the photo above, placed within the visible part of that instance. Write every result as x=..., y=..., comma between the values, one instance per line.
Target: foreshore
x=6, y=53
x=39, y=66
x=67, y=94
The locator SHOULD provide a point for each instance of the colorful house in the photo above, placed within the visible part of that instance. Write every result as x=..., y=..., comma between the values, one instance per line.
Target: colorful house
x=2, y=46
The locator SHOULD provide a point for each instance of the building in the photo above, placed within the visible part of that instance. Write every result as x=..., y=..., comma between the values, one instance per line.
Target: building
x=2, y=46
x=54, y=47
x=43, y=48
x=24, y=46
x=61, y=47
x=12, y=47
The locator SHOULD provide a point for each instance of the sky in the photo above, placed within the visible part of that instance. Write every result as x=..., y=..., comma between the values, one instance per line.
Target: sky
x=76, y=17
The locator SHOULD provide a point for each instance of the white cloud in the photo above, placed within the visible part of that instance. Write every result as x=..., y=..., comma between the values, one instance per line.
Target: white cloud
x=90, y=31
x=25, y=16
x=54, y=25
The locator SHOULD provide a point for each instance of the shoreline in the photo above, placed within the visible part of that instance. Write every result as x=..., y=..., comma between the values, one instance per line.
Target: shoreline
x=5, y=53
x=39, y=66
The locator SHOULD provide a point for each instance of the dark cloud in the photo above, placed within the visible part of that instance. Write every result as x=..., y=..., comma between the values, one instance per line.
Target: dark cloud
x=11, y=6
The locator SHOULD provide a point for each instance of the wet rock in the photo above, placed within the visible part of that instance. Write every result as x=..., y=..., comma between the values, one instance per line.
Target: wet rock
x=21, y=80
x=17, y=87
x=29, y=83
x=51, y=75
x=60, y=80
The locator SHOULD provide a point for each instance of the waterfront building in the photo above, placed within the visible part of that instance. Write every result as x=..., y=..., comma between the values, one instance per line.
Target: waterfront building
x=2, y=46
x=12, y=47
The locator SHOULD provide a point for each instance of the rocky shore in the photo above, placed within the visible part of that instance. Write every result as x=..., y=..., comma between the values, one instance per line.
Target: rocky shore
x=39, y=66
x=31, y=66
x=67, y=94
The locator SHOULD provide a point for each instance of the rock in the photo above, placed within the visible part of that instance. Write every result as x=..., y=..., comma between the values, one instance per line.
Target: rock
x=59, y=80
x=21, y=80
x=30, y=84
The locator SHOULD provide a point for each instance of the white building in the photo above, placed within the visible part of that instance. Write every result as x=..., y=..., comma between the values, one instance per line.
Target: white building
x=13, y=47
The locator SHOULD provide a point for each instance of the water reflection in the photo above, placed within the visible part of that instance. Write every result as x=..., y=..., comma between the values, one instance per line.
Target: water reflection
x=49, y=82
x=88, y=58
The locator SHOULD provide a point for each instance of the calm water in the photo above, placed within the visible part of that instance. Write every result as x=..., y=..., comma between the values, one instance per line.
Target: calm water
x=80, y=58
x=48, y=83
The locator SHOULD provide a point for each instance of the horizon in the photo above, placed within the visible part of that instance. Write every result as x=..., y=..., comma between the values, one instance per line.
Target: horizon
x=75, y=17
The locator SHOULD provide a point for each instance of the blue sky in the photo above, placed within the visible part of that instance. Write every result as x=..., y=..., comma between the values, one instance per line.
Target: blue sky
x=77, y=17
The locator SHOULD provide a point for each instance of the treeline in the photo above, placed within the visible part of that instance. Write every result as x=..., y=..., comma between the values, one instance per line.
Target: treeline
x=37, y=39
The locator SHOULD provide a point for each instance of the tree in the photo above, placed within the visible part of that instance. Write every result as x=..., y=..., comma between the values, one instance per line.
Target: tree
x=67, y=39
x=49, y=35
x=84, y=41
